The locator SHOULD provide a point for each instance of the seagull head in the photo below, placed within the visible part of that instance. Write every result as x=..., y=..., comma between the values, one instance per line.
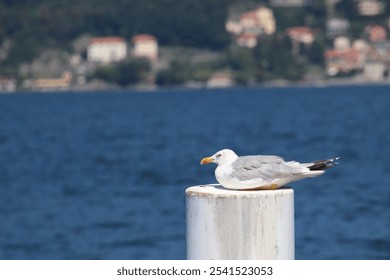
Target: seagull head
x=221, y=157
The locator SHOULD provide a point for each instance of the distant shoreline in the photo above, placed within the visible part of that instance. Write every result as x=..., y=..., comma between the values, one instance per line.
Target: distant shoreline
x=270, y=84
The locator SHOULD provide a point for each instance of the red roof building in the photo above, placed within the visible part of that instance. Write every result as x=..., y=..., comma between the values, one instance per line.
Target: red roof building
x=376, y=33
x=301, y=34
x=343, y=61
x=145, y=45
x=106, y=40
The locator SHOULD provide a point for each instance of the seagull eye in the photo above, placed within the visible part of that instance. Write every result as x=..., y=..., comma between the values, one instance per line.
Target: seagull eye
x=219, y=155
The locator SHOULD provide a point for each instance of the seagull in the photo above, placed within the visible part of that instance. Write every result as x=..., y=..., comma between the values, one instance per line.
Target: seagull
x=262, y=172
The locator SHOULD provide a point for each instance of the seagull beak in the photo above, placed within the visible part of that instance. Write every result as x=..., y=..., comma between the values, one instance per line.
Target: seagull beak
x=206, y=160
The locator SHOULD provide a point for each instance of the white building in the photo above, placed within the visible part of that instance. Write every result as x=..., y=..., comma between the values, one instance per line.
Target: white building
x=259, y=21
x=374, y=71
x=370, y=7
x=7, y=84
x=248, y=26
x=337, y=26
x=220, y=80
x=341, y=43
x=266, y=17
x=288, y=3
x=234, y=26
x=107, y=49
x=361, y=45
x=247, y=40
x=145, y=46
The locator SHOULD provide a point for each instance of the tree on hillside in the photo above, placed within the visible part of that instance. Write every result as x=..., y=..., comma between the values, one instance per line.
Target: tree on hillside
x=130, y=72
x=177, y=74
x=241, y=62
x=275, y=59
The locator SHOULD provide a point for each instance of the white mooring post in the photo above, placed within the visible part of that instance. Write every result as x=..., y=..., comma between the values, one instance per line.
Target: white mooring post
x=229, y=224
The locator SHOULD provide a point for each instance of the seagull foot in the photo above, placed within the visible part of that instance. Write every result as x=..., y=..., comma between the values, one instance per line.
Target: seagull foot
x=270, y=187
x=267, y=187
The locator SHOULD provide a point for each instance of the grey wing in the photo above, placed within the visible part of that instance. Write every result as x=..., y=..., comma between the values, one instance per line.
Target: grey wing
x=265, y=167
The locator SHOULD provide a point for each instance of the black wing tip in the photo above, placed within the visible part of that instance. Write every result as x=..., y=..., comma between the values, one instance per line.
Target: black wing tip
x=324, y=164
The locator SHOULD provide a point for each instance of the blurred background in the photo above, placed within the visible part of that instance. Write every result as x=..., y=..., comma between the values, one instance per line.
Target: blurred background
x=89, y=45
x=108, y=109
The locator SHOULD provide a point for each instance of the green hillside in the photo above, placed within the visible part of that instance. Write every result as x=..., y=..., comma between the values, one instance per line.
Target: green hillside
x=29, y=26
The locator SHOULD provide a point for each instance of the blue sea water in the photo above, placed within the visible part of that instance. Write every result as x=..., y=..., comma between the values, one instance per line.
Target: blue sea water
x=103, y=175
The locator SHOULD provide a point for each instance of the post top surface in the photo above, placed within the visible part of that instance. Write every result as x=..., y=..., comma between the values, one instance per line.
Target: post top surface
x=219, y=191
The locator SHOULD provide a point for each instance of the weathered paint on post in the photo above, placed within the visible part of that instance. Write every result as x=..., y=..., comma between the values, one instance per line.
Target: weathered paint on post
x=230, y=224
